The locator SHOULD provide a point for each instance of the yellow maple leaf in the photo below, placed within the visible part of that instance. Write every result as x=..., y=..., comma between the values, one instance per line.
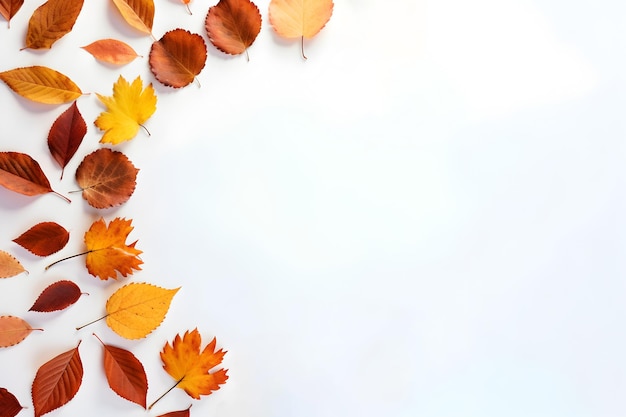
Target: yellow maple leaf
x=127, y=110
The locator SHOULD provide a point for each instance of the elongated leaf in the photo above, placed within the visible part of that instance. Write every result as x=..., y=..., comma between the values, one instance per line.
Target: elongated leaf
x=177, y=58
x=57, y=381
x=111, y=51
x=66, y=135
x=13, y=330
x=41, y=84
x=22, y=174
x=233, y=25
x=44, y=238
x=57, y=296
x=137, y=13
x=180, y=413
x=9, y=405
x=9, y=266
x=8, y=8
x=51, y=21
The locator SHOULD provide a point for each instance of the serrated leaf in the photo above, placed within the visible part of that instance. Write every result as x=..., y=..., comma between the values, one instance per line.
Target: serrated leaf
x=51, y=21
x=177, y=58
x=139, y=14
x=41, y=84
x=9, y=266
x=57, y=296
x=9, y=405
x=22, y=174
x=66, y=135
x=233, y=25
x=111, y=51
x=13, y=330
x=44, y=238
x=8, y=8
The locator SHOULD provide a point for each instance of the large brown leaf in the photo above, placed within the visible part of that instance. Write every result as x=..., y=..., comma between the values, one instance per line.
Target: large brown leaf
x=107, y=178
x=137, y=13
x=9, y=405
x=41, y=84
x=57, y=296
x=8, y=8
x=44, y=238
x=9, y=266
x=13, y=330
x=57, y=382
x=177, y=58
x=22, y=174
x=233, y=25
x=51, y=21
x=111, y=51
x=65, y=136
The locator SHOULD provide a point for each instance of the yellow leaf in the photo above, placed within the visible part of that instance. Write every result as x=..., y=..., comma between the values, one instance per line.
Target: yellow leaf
x=137, y=309
x=41, y=84
x=127, y=109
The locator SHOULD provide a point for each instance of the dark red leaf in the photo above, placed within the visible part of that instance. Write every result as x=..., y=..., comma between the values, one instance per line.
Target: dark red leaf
x=66, y=134
x=9, y=405
x=57, y=296
x=181, y=413
x=43, y=239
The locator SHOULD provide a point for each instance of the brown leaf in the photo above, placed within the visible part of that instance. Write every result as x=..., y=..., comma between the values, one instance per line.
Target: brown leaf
x=180, y=413
x=13, y=330
x=137, y=13
x=125, y=374
x=9, y=266
x=111, y=51
x=8, y=8
x=177, y=58
x=107, y=178
x=57, y=381
x=41, y=84
x=9, y=405
x=65, y=136
x=22, y=174
x=57, y=296
x=44, y=238
x=233, y=25
x=51, y=21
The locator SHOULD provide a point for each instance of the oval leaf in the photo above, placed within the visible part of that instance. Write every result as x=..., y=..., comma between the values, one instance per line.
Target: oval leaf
x=51, y=21
x=136, y=309
x=9, y=266
x=57, y=382
x=13, y=330
x=41, y=84
x=8, y=8
x=9, y=405
x=233, y=25
x=137, y=13
x=107, y=178
x=57, y=296
x=44, y=238
x=66, y=134
x=22, y=174
x=177, y=58
x=111, y=51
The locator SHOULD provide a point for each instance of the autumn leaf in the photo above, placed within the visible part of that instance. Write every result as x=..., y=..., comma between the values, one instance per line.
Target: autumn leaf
x=41, y=84
x=190, y=367
x=44, y=238
x=8, y=8
x=127, y=110
x=125, y=374
x=9, y=405
x=65, y=136
x=22, y=174
x=57, y=296
x=51, y=21
x=233, y=25
x=57, y=381
x=13, y=330
x=177, y=58
x=139, y=14
x=107, y=178
x=180, y=413
x=111, y=51
x=136, y=309
x=9, y=266
x=299, y=18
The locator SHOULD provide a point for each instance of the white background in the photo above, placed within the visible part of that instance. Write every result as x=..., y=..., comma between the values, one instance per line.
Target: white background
x=426, y=218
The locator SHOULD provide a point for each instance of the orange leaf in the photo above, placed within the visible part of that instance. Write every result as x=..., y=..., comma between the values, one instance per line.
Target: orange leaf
x=22, y=174
x=51, y=21
x=107, y=178
x=137, y=13
x=9, y=405
x=233, y=25
x=13, y=330
x=44, y=238
x=41, y=84
x=57, y=296
x=8, y=8
x=65, y=136
x=57, y=382
x=111, y=51
x=9, y=266
x=177, y=58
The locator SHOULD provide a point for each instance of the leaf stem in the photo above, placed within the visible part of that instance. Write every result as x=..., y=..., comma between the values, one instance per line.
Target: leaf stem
x=62, y=196
x=146, y=129
x=247, y=55
x=188, y=9
x=92, y=322
x=302, y=47
x=165, y=393
x=68, y=257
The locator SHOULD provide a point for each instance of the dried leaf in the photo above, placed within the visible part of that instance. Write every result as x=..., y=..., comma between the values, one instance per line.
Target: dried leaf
x=9, y=266
x=111, y=51
x=137, y=13
x=8, y=8
x=57, y=382
x=13, y=330
x=44, y=238
x=22, y=174
x=57, y=296
x=125, y=374
x=9, y=405
x=177, y=58
x=233, y=25
x=107, y=178
x=136, y=309
x=65, y=136
x=127, y=109
x=180, y=413
x=51, y=21
x=41, y=84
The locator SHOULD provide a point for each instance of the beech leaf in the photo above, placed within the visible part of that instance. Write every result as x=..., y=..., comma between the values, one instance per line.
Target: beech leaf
x=13, y=330
x=180, y=413
x=233, y=25
x=22, y=174
x=57, y=296
x=111, y=51
x=51, y=21
x=41, y=84
x=8, y=8
x=177, y=58
x=57, y=381
x=107, y=178
x=9, y=405
x=65, y=136
x=139, y=14
x=44, y=238
x=9, y=266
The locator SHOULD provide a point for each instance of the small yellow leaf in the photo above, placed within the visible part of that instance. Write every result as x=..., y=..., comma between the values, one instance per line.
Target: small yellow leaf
x=41, y=84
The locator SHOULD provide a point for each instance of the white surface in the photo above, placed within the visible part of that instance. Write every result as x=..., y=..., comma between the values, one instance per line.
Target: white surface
x=426, y=218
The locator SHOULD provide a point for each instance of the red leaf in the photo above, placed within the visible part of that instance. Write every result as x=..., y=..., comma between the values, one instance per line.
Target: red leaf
x=9, y=405
x=57, y=382
x=66, y=135
x=57, y=296
x=43, y=239
x=177, y=58
x=8, y=8
x=22, y=174
x=181, y=413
